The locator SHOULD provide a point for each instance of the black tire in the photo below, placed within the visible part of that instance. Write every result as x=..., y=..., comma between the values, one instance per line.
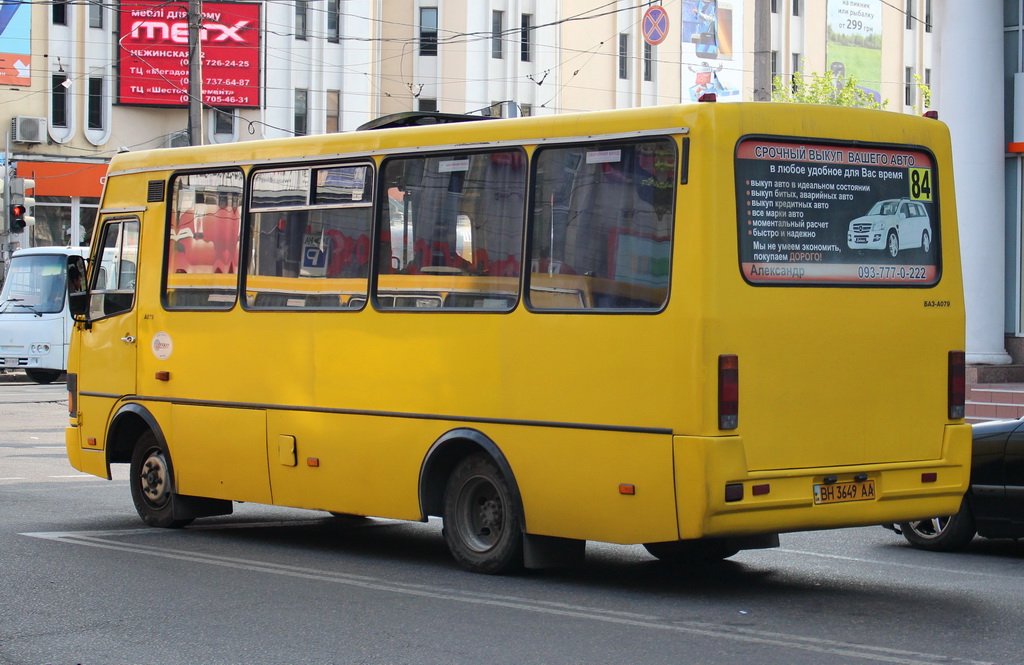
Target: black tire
x=152, y=483
x=942, y=534
x=43, y=376
x=691, y=552
x=892, y=244
x=481, y=524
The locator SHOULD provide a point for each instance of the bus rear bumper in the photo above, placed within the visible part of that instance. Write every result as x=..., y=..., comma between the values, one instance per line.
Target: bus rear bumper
x=718, y=496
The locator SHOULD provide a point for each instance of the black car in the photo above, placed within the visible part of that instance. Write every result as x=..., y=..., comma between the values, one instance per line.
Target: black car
x=994, y=505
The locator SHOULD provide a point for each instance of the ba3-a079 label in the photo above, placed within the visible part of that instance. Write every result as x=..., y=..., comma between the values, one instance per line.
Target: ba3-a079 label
x=817, y=213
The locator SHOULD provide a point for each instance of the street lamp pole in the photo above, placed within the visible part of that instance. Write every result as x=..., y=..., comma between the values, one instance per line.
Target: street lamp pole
x=195, y=73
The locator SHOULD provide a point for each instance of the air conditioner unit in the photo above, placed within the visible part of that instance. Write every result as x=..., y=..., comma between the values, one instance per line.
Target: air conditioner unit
x=25, y=129
x=179, y=139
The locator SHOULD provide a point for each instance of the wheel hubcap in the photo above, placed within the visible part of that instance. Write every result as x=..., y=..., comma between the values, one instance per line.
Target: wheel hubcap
x=482, y=515
x=930, y=529
x=153, y=479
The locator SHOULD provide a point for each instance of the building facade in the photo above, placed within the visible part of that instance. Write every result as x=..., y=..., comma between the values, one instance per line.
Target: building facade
x=80, y=82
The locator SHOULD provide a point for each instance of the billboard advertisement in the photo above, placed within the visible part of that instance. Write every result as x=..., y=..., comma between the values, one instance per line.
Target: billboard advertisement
x=818, y=213
x=15, y=43
x=712, y=53
x=154, y=60
x=854, y=42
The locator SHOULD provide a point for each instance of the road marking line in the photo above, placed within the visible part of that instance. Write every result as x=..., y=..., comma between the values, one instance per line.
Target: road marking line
x=14, y=478
x=714, y=631
x=895, y=564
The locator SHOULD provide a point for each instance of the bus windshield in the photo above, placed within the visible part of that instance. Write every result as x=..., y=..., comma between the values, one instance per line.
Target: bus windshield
x=35, y=283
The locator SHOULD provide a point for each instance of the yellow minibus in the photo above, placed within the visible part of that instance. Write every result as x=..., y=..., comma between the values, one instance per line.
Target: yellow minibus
x=686, y=327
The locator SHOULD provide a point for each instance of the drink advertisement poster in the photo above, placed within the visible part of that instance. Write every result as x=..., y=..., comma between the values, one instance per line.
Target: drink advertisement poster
x=820, y=213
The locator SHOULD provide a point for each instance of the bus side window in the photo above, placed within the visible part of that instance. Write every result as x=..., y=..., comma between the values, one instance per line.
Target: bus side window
x=309, y=238
x=203, y=241
x=602, y=224
x=113, y=288
x=451, y=231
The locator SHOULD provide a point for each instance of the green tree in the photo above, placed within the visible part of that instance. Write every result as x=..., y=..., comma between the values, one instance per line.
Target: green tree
x=824, y=88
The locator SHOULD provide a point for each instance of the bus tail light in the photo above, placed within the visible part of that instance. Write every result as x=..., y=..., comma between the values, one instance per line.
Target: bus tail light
x=957, y=385
x=728, y=392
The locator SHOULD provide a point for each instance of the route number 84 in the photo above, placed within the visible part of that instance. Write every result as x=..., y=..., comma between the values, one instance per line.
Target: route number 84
x=921, y=184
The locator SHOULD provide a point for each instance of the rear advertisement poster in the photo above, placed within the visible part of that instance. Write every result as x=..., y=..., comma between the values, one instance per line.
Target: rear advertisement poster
x=817, y=213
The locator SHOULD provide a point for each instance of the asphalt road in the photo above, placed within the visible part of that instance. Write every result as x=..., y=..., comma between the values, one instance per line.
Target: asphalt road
x=82, y=581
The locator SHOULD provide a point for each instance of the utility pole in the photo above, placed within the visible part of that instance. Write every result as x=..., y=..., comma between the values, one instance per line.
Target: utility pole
x=762, y=51
x=195, y=73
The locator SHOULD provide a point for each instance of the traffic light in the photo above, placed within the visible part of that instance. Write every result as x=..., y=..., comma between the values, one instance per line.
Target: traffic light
x=22, y=204
x=17, y=217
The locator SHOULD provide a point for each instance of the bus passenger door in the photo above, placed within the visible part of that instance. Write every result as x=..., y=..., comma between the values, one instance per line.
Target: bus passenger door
x=106, y=368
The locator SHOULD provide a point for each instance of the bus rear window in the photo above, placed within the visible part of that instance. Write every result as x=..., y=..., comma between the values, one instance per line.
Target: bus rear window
x=815, y=213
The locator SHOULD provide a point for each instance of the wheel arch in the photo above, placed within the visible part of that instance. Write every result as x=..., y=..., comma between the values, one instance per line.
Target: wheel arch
x=442, y=457
x=127, y=425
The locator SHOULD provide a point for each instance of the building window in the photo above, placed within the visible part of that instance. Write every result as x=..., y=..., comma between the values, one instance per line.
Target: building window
x=95, y=104
x=60, y=12
x=927, y=15
x=525, y=110
x=796, y=70
x=796, y=7
x=910, y=15
x=301, y=112
x=333, y=111
x=497, y=28
x=775, y=7
x=428, y=30
x=301, y=7
x=524, y=37
x=908, y=94
x=95, y=14
x=333, y=21
x=928, y=77
x=648, y=62
x=623, y=55
x=426, y=105
x=59, y=100
x=775, y=65
x=223, y=121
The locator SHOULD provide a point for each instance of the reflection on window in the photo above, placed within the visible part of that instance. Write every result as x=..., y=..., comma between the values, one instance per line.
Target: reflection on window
x=202, y=241
x=310, y=238
x=456, y=227
x=113, y=283
x=602, y=226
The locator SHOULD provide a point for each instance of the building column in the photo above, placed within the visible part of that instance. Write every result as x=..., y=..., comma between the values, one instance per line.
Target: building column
x=975, y=122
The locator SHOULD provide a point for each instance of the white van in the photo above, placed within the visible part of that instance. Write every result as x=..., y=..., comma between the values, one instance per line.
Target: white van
x=35, y=324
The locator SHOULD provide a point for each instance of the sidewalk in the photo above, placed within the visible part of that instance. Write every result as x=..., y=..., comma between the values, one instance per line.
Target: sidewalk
x=994, y=401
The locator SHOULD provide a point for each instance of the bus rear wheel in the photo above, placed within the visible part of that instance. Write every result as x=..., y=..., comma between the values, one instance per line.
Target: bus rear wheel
x=692, y=551
x=481, y=526
x=152, y=484
x=43, y=376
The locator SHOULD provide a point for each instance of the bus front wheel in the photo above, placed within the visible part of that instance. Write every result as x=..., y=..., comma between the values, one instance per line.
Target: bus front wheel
x=152, y=484
x=481, y=526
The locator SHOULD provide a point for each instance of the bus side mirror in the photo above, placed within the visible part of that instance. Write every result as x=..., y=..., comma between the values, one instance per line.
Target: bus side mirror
x=78, y=294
